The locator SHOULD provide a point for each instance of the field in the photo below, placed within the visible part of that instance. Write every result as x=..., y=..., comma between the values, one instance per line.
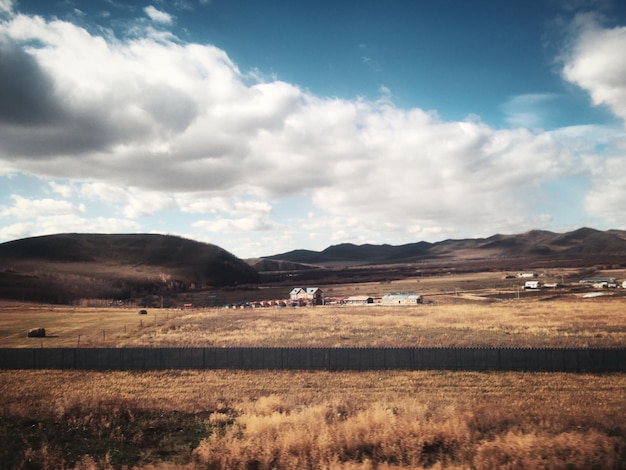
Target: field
x=453, y=320
x=241, y=420
x=347, y=420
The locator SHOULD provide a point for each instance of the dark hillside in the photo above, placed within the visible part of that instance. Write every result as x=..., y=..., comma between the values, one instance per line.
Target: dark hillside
x=543, y=245
x=117, y=265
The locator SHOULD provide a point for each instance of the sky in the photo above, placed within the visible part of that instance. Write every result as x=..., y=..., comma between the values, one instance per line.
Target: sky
x=272, y=125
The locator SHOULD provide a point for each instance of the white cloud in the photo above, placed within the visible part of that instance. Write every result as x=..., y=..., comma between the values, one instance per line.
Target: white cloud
x=597, y=63
x=150, y=124
x=6, y=6
x=64, y=190
x=252, y=223
x=607, y=199
x=24, y=208
x=132, y=202
x=32, y=217
x=157, y=15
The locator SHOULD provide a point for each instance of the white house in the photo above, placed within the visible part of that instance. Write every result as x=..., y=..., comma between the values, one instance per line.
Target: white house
x=532, y=285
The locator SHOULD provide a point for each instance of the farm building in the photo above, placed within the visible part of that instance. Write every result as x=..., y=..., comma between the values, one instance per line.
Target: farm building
x=532, y=285
x=600, y=282
x=359, y=300
x=402, y=298
x=313, y=295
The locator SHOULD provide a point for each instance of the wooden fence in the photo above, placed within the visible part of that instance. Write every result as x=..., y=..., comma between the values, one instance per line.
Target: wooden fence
x=476, y=359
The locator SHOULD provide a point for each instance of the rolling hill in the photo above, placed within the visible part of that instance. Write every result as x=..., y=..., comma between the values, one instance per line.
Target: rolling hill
x=64, y=267
x=536, y=244
x=68, y=268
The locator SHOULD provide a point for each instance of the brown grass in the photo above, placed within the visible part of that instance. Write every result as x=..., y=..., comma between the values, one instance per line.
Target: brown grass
x=524, y=323
x=330, y=420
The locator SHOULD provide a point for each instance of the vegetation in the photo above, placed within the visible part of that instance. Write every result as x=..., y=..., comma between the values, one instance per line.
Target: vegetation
x=326, y=420
x=284, y=420
x=576, y=322
x=64, y=268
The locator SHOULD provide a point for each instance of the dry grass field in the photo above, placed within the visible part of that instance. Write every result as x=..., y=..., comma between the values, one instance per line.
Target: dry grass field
x=311, y=420
x=321, y=420
x=448, y=321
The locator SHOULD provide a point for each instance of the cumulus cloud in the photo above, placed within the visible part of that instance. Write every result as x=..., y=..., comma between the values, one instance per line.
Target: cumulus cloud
x=597, y=63
x=44, y=216
x=133, y=202
x=607, y=198
x=146, y=124
x=27, y=208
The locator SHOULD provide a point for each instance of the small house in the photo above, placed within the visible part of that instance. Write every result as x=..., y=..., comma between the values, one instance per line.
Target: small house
x=313, y=295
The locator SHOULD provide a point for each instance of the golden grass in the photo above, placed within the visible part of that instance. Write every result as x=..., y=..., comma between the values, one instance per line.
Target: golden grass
x=342, y=419
x=569, y=322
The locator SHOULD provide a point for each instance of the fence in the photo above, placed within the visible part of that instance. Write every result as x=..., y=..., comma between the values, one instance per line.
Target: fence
x=476, y=359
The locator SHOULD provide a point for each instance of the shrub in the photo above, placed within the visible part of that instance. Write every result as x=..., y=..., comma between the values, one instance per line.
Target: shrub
x=568, y=450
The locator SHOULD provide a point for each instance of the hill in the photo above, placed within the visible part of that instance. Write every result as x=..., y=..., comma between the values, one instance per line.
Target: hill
x=61, y=268
x=537, y=244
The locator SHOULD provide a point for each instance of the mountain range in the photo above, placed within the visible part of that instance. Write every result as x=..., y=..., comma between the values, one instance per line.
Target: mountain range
x=584, y=242
x=65, y=267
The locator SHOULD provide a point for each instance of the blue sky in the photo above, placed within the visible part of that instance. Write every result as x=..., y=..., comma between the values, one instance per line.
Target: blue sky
x=268, y=126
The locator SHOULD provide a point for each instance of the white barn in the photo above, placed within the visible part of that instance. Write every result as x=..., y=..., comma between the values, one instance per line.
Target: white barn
x=402, y=298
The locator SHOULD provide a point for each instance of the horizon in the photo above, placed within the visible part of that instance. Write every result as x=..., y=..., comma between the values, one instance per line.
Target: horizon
x=305, y=249
x=272, y=126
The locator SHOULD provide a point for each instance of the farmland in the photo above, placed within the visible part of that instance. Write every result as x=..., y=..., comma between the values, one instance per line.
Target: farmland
x=479, y=310
x=302, y=419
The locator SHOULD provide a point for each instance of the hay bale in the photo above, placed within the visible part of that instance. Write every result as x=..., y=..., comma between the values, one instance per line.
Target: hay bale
x=37, y=333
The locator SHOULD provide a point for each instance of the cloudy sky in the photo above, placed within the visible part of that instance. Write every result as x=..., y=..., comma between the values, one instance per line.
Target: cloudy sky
x=269, y=125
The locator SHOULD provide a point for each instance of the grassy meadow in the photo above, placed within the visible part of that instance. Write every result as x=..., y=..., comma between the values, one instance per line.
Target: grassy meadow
x=321, y=420
x=311, y=420
x=451, y=321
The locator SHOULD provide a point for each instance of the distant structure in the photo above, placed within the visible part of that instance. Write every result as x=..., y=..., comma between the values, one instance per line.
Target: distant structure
x=402, y=298
x=526, y=275
x=600, y=282
x=359, y=300
x=313, y=295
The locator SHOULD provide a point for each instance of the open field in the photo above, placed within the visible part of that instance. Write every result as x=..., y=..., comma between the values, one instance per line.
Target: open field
x=240, y=420
x=334, y=420
x=449, y=321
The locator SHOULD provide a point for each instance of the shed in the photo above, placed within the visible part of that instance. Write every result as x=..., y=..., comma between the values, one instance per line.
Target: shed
x=359, y=300
x=402, y=298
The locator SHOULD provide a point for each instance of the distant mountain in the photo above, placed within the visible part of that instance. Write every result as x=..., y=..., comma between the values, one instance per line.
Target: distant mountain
x=116, y=265
x=534, y=244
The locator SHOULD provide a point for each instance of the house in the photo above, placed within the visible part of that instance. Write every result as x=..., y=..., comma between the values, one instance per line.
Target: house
x=402, y=298
x=359, y=300
x=313, y=295
x=532, y=285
